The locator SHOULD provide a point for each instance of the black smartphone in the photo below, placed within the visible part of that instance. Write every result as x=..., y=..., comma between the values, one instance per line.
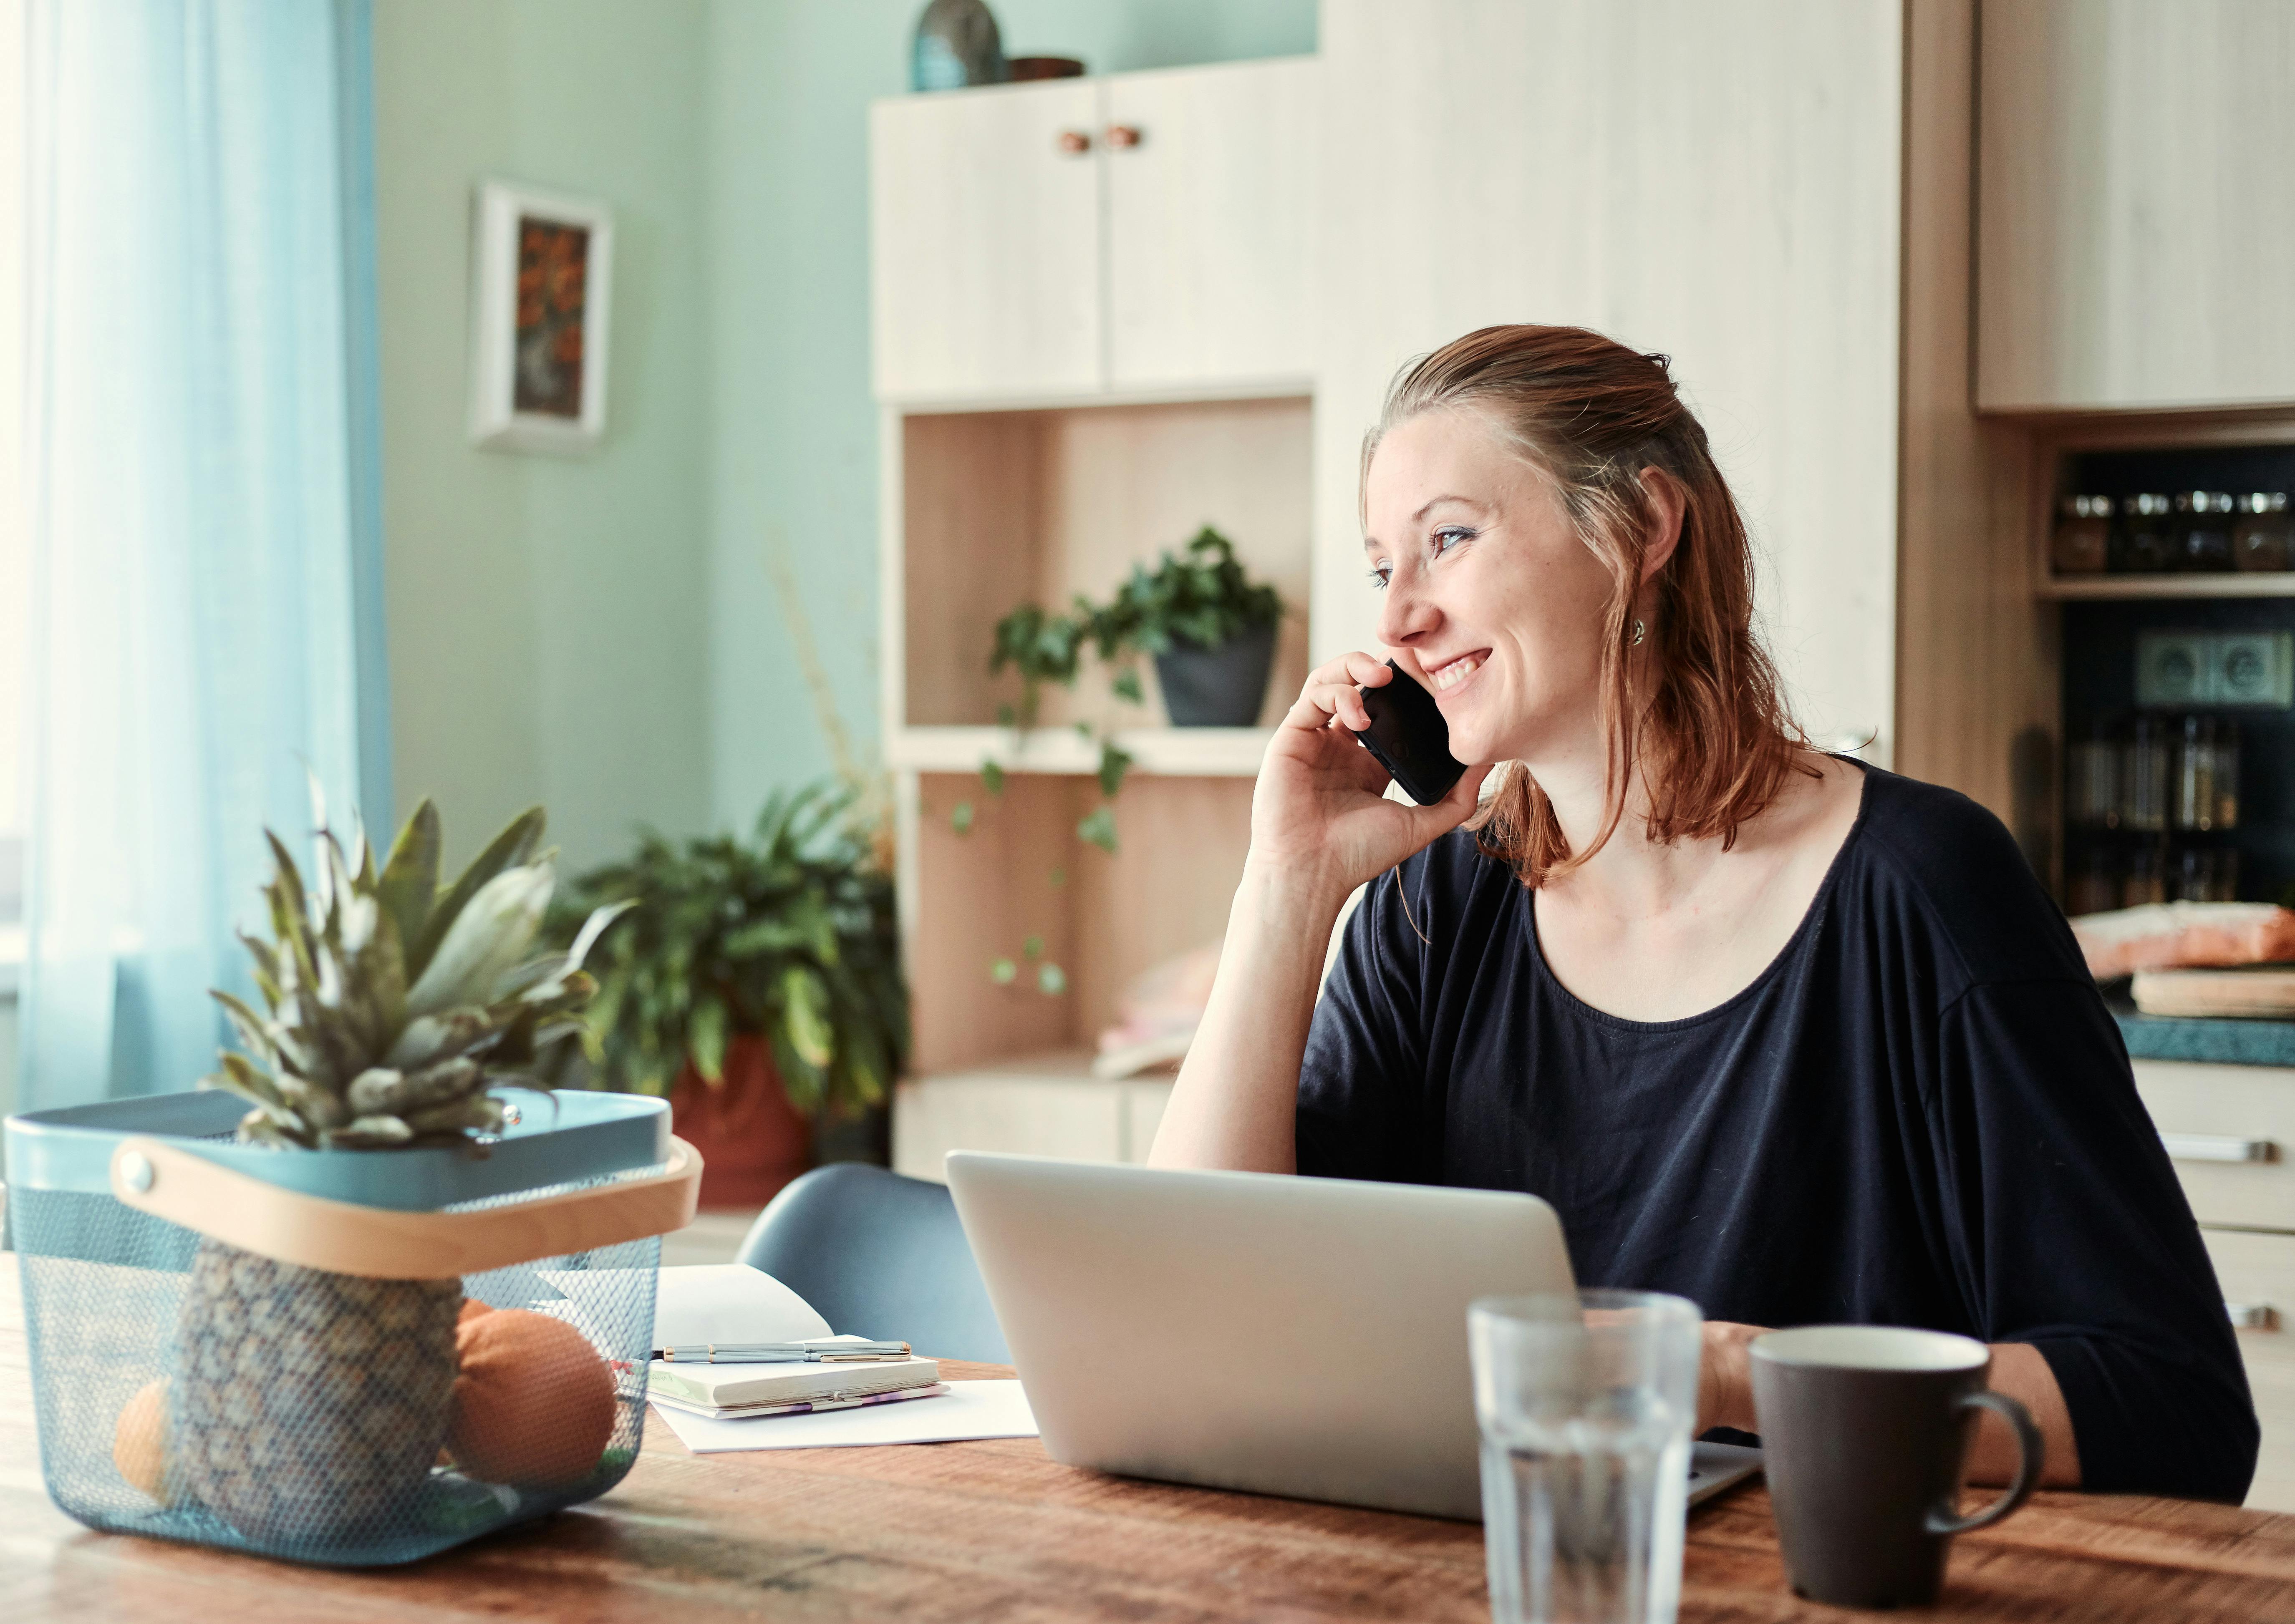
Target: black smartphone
x=1409, y=738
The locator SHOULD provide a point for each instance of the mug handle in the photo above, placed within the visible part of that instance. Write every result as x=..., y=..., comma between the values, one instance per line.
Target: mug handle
x=2032, y=1450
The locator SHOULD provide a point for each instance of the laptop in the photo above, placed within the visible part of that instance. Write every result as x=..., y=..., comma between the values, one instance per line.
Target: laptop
x=1294, y=1336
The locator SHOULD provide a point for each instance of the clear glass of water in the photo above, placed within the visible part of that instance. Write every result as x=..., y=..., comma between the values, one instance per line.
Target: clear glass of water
x=1585, y=1404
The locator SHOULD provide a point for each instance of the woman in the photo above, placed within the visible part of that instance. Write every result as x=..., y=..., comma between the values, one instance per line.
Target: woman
x=1796, y=1038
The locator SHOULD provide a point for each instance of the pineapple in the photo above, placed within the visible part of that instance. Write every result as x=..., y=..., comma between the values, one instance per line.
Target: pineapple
x=308, y=1405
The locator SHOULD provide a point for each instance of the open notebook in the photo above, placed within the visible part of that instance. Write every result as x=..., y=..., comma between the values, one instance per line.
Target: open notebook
x=731, y=1302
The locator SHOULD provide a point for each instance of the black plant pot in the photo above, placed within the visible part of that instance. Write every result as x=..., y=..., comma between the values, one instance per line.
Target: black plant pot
x=1217, y=687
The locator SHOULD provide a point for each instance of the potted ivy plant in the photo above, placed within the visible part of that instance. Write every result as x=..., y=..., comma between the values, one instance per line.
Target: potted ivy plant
x=755, y=982
x=1211, y=630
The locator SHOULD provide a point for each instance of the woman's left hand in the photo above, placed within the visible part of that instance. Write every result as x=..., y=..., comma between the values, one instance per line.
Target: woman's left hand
x=1725, y=1378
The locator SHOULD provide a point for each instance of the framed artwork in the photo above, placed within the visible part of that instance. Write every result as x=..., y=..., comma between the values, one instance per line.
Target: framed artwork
x=541, y=284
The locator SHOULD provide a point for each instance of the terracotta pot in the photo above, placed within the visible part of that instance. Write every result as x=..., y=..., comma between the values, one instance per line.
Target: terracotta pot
x=751, y=1139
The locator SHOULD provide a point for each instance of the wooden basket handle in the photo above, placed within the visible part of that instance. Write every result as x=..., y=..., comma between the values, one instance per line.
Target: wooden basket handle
x=342, y=1238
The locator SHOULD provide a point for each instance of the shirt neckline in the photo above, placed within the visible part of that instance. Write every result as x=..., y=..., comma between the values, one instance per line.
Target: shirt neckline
x=1770, y=971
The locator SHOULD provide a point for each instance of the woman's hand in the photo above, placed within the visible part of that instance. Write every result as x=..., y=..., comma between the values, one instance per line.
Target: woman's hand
x=1320, y=812
x=1725, y=1378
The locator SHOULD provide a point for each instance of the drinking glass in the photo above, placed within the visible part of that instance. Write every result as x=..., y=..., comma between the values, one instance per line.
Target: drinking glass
x=1585, y=1403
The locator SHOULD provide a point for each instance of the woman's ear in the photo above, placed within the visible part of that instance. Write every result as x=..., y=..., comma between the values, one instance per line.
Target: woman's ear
x=1666, y=504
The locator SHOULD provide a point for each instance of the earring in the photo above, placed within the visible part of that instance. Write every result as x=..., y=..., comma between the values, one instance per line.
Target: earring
x=1637, y=634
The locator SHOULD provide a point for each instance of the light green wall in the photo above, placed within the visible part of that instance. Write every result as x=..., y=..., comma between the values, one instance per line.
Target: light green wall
x=601, y=635
x=548, y=619
x=794, y=429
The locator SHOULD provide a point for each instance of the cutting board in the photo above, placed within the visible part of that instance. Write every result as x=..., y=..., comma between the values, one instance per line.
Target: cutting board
x=2256, y=991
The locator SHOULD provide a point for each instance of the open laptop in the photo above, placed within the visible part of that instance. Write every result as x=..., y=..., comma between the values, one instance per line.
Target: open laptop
x=1292, y=1336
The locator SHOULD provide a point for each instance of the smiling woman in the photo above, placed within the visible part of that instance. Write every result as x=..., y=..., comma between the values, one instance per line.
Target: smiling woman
x=1646, y=581
x=1792, y=1037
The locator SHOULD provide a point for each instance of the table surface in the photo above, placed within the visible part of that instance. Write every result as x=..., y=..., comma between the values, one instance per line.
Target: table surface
x=996, y=1531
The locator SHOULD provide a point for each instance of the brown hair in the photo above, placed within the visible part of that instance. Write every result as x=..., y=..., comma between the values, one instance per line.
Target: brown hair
x=1710, y=732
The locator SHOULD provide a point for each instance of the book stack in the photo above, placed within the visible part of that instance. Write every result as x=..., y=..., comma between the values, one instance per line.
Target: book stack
x=730, y=1307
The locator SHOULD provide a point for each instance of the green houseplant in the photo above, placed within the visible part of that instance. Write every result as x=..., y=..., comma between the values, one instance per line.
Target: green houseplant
x=1211, y=630
x=755, y=982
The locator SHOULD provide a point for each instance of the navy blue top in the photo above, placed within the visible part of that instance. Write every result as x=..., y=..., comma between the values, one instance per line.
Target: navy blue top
x=1920, y=1113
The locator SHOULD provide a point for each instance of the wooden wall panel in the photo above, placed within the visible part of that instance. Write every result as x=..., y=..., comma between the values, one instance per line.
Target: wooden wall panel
x=1976, y=677
x=1719, y=182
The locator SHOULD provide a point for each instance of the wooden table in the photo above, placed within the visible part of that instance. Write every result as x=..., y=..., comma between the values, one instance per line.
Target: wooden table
x=996, y=1533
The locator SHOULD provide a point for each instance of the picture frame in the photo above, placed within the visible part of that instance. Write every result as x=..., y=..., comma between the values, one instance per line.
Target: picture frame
x=540, y=296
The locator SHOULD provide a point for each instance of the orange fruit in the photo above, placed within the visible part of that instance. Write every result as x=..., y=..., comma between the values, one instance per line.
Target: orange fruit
x=139, y=1442
x=534, y=1404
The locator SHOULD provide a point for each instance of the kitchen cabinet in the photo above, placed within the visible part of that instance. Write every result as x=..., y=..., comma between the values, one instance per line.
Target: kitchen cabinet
x=985, y=249
x=2229, y=1130
x=1209, y=203
x=1043, y=1106
x=1721, y=183
x=2134, y=222
x=1142, y=234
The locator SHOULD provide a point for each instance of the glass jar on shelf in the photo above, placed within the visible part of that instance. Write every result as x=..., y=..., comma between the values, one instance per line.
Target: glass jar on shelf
x=2092, y=778
x=2194, y=797
x=2262, y=532
x=2146, y=881
x=2144, y=776
x=2082, y=545
x=2092, y=888
x=2146, y=547
x=2204, y=874
x=2228, y=777
x=2202, y=530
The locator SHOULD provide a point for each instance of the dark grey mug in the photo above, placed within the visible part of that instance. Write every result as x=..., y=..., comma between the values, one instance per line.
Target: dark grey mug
x=1864, y=1431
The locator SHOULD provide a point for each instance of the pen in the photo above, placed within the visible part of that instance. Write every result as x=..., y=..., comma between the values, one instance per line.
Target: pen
x=777, y=1353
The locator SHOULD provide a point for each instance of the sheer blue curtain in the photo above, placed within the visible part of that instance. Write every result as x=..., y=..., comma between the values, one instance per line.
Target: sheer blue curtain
x=205, y=512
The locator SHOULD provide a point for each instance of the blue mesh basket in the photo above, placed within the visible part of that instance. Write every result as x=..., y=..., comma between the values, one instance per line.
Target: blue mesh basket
x=265, y=1350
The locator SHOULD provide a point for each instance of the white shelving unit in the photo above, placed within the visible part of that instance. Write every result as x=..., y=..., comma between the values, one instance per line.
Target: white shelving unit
x=1181, y=752
x=1092, y=339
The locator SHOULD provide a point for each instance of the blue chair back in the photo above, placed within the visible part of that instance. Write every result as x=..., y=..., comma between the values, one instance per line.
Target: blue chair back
x=881, y=1256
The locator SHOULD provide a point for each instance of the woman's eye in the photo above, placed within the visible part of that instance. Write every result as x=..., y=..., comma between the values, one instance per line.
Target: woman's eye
x=1378, y=574
x=1450, y=536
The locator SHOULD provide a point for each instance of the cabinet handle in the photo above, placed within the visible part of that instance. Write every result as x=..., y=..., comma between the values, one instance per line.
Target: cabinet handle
x=2219, y=1147
x=1123, y=135
x=1073, y=143
x=2252, y=1316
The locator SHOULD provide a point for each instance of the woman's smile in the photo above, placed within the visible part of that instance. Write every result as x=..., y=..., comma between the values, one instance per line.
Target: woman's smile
x=1452, y=674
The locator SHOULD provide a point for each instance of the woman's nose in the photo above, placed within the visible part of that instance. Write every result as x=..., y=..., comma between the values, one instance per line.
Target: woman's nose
x=1405, y=612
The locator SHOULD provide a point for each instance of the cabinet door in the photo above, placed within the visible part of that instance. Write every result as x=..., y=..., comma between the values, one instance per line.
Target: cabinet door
x=984, y=257
x=2134, y=219
x=2257, y=1273
x=1208, y=211
x=1716, y=183
x=1074, y=1119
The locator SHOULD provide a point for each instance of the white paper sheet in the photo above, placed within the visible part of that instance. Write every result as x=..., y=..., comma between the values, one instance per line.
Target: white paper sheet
x=969, y=1410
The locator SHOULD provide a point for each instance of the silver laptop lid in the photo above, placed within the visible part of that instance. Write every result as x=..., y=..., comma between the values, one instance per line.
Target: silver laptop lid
x=1293, y=1336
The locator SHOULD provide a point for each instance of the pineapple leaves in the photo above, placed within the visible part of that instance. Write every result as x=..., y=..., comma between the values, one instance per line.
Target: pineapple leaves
x=512, y=848
x=487, y=940
x=338, y=1063
x=410, y=879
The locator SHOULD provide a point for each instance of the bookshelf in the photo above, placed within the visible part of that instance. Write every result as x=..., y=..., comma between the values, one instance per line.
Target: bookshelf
x=983, y=510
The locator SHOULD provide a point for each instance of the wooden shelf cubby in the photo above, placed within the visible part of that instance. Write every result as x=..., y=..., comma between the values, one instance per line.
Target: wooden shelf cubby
x=1017, y=872
x=988, y=509
x=1002, y=507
